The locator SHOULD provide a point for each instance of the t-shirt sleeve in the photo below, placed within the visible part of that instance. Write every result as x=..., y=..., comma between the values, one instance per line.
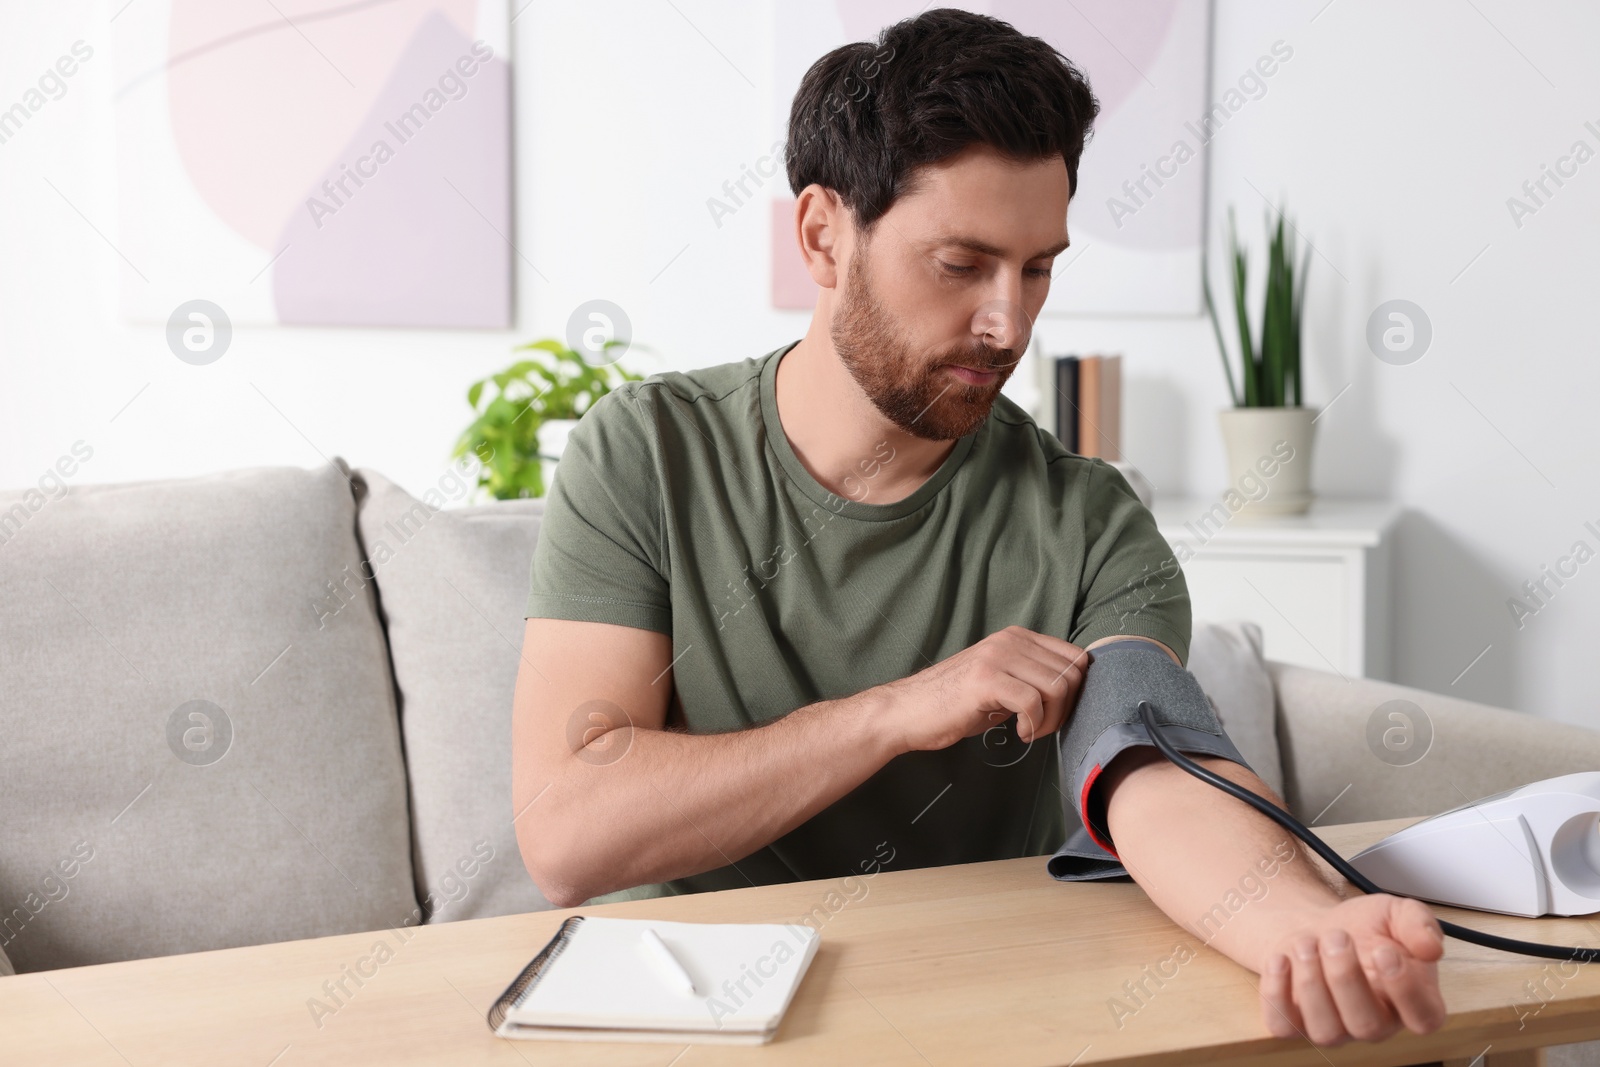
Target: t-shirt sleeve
x=1132, y=583
x=601, y=555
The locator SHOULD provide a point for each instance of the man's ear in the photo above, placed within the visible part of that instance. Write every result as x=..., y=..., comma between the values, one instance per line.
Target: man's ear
x=819, y=217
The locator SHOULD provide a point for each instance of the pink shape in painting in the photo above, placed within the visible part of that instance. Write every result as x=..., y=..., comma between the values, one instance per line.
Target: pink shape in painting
x=409, y=226
x=264, y=112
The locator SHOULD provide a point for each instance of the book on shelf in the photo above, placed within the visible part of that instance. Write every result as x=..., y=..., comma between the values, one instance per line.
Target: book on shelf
x=1066, y=371
x=1089, y=404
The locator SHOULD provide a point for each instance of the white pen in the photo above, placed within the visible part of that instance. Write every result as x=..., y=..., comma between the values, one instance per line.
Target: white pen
x=671, y=968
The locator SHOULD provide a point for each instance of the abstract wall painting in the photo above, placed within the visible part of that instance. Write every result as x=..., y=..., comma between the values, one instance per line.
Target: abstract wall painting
x=316, y=162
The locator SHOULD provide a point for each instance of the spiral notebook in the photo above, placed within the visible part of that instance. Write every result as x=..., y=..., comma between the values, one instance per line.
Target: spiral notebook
x=596, y=981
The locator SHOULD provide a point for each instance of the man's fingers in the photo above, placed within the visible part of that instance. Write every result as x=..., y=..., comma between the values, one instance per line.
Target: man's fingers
x=1052, y=665
x=1278, y=1009
x=1361, y=1013
x=1023, y=700
x=1054, y=649
x=1412, y=987
x=1322, y=1023
x=1058, y=684
x=1407, y=973
x=1414, y=926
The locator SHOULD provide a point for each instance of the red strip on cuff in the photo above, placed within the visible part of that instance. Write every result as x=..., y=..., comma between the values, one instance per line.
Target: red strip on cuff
x=1083, y=806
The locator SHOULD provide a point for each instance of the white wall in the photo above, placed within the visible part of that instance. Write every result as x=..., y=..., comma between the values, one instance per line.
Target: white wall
x=1397, y=132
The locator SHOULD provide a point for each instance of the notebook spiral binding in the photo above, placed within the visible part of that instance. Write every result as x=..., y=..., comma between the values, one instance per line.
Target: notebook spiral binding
x=530, y=974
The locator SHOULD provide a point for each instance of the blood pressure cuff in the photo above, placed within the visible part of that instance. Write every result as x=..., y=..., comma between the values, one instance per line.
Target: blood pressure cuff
x=1105, y=722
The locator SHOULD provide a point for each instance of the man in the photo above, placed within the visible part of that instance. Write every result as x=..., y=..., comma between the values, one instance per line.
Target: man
x=799, y=615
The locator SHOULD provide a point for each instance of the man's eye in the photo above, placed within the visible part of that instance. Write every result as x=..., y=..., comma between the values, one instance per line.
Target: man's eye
x=957, y=271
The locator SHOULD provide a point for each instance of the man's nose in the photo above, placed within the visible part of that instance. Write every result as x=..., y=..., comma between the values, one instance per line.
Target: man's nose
x=1003, y=325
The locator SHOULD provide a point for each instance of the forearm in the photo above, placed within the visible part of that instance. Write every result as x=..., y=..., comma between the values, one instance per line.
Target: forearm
x=676, y=804
x=1216, y=866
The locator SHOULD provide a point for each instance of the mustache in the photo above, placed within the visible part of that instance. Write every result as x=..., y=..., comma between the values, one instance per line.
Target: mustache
x=986, y=359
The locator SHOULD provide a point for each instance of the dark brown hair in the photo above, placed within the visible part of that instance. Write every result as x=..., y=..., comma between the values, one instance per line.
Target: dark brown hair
x=868, y=115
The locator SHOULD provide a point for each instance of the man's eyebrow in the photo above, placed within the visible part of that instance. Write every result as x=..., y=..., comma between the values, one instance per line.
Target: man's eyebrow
x=972, y=244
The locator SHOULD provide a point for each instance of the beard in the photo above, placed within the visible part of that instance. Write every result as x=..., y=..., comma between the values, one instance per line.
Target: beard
x=910, y=384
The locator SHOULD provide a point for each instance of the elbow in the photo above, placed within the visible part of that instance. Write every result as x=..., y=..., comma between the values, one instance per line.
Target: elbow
x=560, y=896
x=550, y=862
x=554, y=883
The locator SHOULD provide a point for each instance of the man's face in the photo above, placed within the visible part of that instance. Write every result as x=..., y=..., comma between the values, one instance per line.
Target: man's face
x=939, y=307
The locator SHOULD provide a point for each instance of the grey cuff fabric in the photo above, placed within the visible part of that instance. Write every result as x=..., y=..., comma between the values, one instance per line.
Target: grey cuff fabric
x=1105, y=722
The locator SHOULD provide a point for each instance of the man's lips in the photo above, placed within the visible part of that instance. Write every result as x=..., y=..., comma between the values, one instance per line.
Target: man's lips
x=973, y=376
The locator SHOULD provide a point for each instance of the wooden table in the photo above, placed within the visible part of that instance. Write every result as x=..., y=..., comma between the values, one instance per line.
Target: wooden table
x=983, y=963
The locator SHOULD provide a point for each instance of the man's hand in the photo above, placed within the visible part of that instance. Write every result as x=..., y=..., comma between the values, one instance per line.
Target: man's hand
x=1360, y=970
x=1014, y=671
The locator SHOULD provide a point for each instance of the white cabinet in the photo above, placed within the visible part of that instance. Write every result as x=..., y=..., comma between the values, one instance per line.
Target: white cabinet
x=1318, y=584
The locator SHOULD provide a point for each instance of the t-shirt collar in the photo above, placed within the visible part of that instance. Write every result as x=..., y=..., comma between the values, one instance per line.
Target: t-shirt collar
x=802, y=480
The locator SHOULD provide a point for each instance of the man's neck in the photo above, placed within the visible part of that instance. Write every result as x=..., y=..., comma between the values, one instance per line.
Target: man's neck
x=839, y=436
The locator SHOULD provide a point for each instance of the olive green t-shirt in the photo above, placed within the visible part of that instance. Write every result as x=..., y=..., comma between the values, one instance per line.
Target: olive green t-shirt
x=680, y=507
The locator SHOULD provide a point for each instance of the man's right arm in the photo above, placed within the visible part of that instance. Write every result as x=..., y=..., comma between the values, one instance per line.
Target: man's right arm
x=605, y=797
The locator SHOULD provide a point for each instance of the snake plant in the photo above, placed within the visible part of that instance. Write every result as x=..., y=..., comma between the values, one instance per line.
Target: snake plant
x=1271, y=370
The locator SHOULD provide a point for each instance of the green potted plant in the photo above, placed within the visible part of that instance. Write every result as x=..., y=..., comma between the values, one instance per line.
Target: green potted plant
x=522, y=426
x=1268, y=431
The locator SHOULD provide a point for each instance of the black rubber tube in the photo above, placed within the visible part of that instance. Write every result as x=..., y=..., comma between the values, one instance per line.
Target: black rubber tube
x=1338, y=862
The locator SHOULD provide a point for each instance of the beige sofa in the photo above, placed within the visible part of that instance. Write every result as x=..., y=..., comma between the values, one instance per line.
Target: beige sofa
x=275, y=703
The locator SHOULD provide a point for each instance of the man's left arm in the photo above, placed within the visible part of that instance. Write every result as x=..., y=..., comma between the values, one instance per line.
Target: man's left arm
x=1331, y=969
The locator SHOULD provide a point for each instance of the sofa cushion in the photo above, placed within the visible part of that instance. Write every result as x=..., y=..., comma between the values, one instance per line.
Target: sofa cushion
x=1226, y=659
x=451, y=585
x=200, y=739
x=1357, y=749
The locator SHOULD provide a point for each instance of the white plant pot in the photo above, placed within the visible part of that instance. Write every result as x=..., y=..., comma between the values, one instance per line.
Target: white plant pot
x=553, y=434
x=1269, y=460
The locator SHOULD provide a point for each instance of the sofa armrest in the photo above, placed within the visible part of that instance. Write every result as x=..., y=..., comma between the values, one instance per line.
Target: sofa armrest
x=1476, y=750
